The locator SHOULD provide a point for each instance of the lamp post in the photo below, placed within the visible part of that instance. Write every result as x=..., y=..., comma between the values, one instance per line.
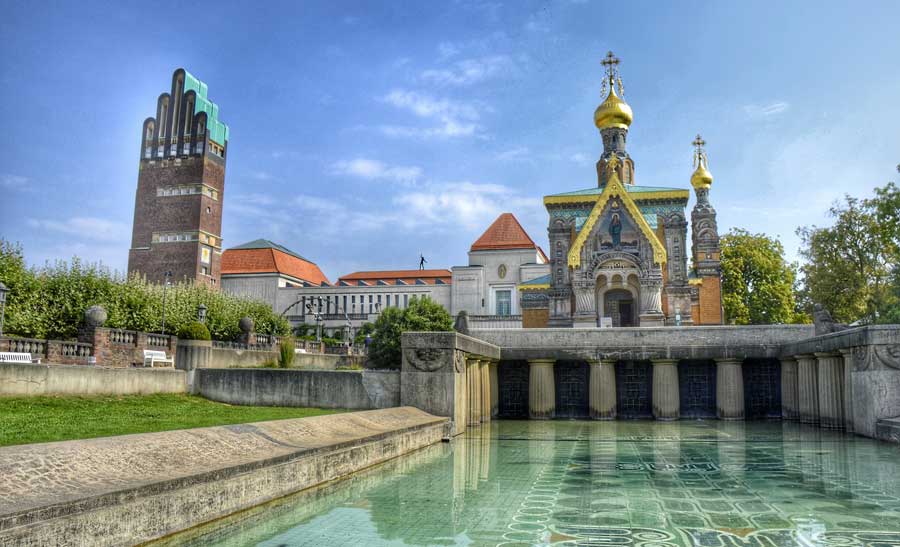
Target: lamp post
x=166, y=277
x=3, y=291
x=201, y=313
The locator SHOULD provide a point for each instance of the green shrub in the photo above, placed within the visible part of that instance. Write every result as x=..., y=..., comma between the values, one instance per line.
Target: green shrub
x=422, y=314
x=49, y=302
x=194, y=331
x=286, y=352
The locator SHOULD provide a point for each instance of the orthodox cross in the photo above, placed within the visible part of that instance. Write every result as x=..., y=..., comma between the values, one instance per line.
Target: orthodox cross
x=611, y=63
x=611, y=164
x=699, y=153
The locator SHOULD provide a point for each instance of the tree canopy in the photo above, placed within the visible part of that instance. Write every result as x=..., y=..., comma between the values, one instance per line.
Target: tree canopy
x=852, y=266
x=422, y=314
x=758, y=284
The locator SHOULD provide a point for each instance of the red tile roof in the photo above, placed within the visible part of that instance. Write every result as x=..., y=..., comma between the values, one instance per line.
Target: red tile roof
x=391, y=277
x=504, y=233
x=271, y=260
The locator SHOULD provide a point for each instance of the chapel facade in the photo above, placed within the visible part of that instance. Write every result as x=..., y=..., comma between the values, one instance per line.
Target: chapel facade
x=619, y=251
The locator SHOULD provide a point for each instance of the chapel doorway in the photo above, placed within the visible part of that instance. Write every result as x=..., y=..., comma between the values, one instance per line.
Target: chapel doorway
x=619, y=304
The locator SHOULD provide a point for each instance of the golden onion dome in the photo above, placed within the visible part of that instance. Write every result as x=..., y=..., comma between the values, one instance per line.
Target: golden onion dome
x=701, y=178
x=613, y=112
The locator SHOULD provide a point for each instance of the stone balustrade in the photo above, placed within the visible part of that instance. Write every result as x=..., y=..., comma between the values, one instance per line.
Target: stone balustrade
x=57, y=352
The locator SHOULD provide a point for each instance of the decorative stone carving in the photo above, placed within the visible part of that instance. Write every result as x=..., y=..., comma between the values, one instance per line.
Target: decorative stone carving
x=861, y=360
x=424, y=359
x=459, y=359
x=584, y=298
x=823, y=321
x=95, y=316
x=462, y=323
x=888, y=356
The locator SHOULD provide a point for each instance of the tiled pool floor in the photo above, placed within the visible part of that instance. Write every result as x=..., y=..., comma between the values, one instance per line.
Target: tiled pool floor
x=639, y=483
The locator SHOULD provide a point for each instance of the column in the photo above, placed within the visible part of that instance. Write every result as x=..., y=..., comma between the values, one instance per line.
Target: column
x=666, y=400
x=847, y=356
x=807, y=389
x=602, y=389
x=730, y=389
x=831, y=391
x=473, y=376
x=789, y=409
x=495, y=387
x=485, y=390
x=541, y=389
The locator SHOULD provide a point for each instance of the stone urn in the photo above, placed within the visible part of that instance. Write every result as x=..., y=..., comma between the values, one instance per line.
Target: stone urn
x=95, y=316
x=246, y=325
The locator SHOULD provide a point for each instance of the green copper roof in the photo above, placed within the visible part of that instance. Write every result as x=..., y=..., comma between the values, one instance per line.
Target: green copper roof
x=542, y=280
x=218, y=131
x=632, y=189
x=266, y=244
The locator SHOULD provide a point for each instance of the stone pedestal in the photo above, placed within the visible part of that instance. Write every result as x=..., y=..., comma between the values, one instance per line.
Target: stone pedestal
x=602, y=390
x=495, y=388
x=729, y=389
x=789, y=408
x=831, y=390
x=485, y=390
x=807, y=389
x=473, y=385
x=541, y=389
x=666, y=400
x=847, y=358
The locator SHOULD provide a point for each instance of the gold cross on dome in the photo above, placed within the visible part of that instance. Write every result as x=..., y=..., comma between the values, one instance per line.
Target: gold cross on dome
x=610, y=61
x=699, y=142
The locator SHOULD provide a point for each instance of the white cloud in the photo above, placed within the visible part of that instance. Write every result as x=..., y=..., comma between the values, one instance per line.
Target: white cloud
x=470, y=71
x=87, y=227
x=13, y=181
x=580, y=158
x=519, y=153
x=455, y=118
x=447, y=50
x=765, y=110
x=374, y=170
x=467, y=204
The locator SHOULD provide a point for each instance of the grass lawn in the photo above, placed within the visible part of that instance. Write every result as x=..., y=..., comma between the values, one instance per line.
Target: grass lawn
x=42, y=419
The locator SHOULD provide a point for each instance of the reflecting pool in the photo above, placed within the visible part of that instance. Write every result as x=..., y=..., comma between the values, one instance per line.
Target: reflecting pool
x=637, y=483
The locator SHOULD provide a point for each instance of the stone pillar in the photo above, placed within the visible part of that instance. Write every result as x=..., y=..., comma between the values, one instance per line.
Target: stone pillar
x=847, y=356
x=730, y=389
x=541, y=389
x=485, y=390
x=473, y=385
x=789, y=408
x=495, y=387
x=666, y=400
x=602, y=389
x=807, y=389
x=831, y=390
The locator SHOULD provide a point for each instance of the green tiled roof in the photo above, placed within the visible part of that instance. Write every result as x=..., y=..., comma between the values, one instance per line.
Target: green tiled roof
x=218, y=131
x=632, y=189
x=266, y=244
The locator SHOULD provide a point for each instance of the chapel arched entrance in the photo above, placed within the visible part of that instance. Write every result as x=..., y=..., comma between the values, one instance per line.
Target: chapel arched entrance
x=619, y=304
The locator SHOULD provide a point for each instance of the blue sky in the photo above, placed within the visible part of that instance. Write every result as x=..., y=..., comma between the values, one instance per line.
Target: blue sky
x=363, y=134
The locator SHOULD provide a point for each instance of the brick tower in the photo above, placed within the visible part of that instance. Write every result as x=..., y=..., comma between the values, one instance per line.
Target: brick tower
x=181, y=187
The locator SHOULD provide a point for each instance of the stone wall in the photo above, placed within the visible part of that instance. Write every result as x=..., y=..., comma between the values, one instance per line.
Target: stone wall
x=131, y=489
x=124, y=348
x=22, y=380
x=355, y=390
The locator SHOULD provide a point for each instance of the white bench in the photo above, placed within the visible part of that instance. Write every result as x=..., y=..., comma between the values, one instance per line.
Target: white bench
x=11, y=357
x=153, y=357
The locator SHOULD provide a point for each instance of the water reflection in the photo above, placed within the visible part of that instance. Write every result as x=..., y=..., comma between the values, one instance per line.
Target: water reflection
x=690, y=483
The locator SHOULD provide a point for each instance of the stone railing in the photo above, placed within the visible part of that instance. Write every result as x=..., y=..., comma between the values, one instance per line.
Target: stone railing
x=158, y=340
x=495, y=321
x=124, y=348
x=119, y=336
x=49, y=351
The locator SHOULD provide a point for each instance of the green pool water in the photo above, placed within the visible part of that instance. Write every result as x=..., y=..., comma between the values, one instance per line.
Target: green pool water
x=687, y=483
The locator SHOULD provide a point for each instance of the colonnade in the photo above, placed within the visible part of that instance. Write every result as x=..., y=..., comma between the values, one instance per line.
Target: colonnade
x=482, y=390
x=602, y=396
x=815, y=389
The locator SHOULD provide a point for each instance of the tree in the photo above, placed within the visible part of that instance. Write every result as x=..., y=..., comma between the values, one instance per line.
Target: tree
x=849, y=265
x=758, y=285
x=422, y=314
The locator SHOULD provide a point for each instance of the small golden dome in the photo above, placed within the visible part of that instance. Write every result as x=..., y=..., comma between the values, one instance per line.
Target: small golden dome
x=613, y=112
x=701, y=178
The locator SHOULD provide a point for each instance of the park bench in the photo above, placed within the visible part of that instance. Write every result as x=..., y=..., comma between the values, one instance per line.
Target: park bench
x=12, y=357
x=154, y=357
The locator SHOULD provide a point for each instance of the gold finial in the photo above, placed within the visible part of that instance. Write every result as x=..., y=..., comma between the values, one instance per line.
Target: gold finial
x=702, y=178
x=613, y=111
